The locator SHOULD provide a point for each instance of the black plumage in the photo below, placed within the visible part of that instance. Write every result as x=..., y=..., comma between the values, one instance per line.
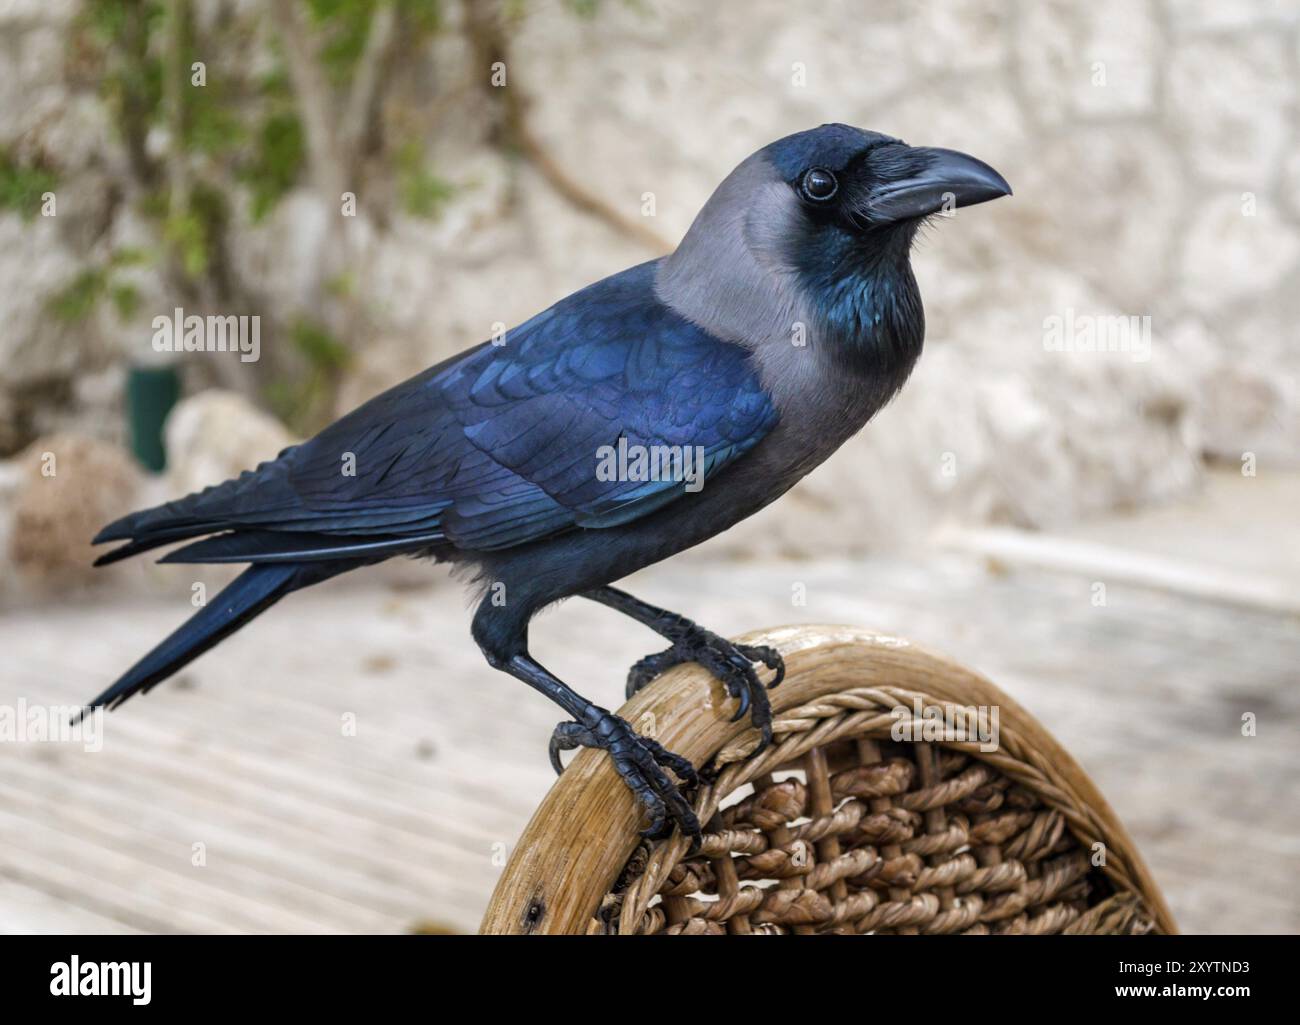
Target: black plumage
x=785, y=319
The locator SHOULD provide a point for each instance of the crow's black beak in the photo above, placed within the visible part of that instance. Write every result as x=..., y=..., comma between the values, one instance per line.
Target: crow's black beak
x=949, y=179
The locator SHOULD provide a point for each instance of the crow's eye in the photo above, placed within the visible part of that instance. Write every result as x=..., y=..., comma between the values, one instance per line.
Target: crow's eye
x=818, y=184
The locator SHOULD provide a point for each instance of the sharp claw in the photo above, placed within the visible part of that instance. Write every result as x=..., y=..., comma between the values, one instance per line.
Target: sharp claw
x=684, y=816
x=734, y=665
x=657, y=830
x=744, y=705
x=771, y=658
x=691, y=827
x=658, y=820
x=649, y=668
x=640, y=762
x=560, y=741
x=681, y=767
x=697, y=837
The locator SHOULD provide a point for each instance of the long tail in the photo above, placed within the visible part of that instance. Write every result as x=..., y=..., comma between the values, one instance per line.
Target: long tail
x=247, y=596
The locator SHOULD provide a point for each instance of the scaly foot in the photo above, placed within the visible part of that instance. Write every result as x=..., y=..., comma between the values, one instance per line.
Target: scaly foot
x=731, y=663
x=641, y=762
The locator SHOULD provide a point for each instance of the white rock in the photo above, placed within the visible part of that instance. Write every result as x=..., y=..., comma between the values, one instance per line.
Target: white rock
x=1087, y=59
x=1228, y=99
x=1118, y=51
x=1105, y=199
x=976, y=114
x=1291, y=184
x=993, y=427
x=1228, y=255
x=1203, y=15
x=963, y=35
x=216, y=435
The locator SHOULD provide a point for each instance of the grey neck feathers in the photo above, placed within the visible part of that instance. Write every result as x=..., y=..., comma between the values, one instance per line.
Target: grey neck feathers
x=733, y=275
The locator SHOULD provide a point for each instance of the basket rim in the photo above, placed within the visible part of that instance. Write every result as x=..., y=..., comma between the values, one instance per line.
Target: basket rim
x=581, y=836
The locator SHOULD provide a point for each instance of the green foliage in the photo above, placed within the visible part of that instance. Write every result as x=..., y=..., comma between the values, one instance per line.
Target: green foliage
x=131, y=76
x=115, y=19
x=342, y=286
x=192, y=232
x=322, y=349
x=212, y=122
x=345, y=25
x=302, y=401
x=424, y=16
x=586, y=9
x=241, y=127
x=21, y=187
x=276, y=163
x=241, y=134
x=78, y=299
x=187, y=235
x=125, y=299
x=423, y=193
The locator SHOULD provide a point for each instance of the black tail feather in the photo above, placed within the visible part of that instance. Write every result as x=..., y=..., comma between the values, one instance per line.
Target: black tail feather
x=247, y=596
x=267, y=546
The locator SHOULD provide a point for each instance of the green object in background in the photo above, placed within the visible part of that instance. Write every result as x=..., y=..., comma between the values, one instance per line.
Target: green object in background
x=150, y=394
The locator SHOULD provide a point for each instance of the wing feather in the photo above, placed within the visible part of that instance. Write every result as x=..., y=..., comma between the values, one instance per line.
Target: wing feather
x=493, y=448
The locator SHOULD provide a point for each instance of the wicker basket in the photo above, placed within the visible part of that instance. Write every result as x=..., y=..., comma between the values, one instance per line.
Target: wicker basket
x=849, y=823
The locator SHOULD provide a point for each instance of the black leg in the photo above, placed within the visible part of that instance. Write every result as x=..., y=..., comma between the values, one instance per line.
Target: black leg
x=733, y=664
x=639, y=760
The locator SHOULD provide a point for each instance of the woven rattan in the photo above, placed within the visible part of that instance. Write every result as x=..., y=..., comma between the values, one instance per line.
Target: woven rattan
x=840, y=828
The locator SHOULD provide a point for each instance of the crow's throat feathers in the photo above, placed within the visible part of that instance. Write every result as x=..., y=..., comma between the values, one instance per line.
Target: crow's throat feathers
x=833, y=320
x=863, y=298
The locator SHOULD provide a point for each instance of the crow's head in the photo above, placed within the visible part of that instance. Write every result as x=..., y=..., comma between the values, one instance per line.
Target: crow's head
x=844, y=180
x=815, y=229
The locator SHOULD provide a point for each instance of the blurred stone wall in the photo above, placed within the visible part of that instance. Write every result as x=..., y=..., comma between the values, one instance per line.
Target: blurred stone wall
x=1152, y=145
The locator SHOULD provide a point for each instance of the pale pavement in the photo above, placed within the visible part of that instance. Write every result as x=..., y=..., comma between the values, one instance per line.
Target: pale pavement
x=306, y=827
